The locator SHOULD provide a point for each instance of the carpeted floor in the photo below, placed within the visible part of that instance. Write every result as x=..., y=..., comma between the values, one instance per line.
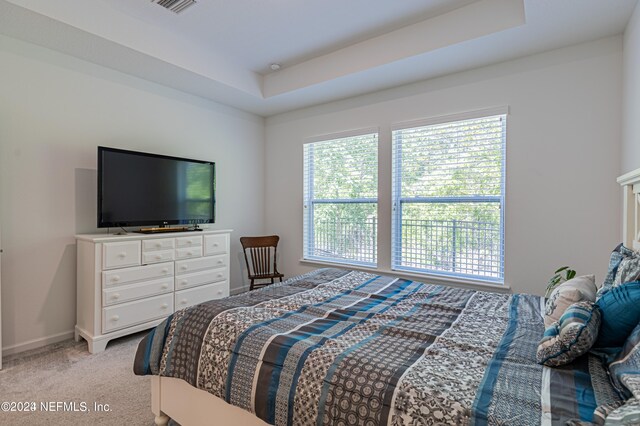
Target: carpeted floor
x=67, y=373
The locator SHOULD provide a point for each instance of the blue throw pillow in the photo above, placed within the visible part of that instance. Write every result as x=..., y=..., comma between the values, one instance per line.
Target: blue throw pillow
x=620, y=307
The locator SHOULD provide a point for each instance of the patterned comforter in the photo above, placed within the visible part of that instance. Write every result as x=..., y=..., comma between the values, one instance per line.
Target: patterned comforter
x=344, y=347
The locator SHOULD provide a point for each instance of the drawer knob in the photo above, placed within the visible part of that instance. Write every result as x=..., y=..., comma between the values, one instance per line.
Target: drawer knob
x=189, y=253
x=164, y=306
x=220, y=262
x=115, y=318
x=158, y=257
x=219, y=291
x=184, y=282
x=215, y=244
x=183, y=302
x=158, y=245
x=184, y=267
x=116, y=296
x=115, y=278
x=165, y=270
x=219, y=275
x=189, y=242
x=122, y=254
x=165, y=286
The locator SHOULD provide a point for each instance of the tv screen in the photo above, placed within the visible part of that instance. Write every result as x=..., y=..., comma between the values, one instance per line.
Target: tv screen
x=137, y=188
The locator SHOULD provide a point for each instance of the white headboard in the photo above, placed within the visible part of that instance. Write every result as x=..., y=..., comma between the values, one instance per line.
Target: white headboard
x=631, y=208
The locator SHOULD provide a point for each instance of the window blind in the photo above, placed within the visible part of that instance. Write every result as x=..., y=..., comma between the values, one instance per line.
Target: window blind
x=340, y=199
x=448, y=198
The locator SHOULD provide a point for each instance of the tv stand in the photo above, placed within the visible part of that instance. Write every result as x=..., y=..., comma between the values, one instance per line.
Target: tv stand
x=130, y=283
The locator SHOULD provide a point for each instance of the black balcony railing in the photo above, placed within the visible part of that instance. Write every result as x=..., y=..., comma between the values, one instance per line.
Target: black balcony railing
x=347, y=240
x=453, y=246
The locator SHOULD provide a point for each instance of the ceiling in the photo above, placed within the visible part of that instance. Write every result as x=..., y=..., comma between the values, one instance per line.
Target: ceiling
x=326, y=49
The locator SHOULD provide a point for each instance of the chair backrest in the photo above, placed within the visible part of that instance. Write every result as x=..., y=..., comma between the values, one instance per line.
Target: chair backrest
x=260, y=255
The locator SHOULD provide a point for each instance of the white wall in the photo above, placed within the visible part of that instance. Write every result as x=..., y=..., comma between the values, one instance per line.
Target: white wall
x=54, y=111
x=630, y=159
x=562, y=200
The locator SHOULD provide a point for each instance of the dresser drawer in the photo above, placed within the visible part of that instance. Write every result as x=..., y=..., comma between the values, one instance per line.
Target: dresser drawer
x=120, y=254
x=186, y=253
x=193, y=265
x=138, y=312
x=126, y=293
x=195, y=241
x=158, y=244
x=199, y=278
x=186, y=298
x=140, y=273
x=157, y=256
x=215, y=244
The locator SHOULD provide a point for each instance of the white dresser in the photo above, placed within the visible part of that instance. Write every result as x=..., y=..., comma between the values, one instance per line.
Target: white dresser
x=128, y=283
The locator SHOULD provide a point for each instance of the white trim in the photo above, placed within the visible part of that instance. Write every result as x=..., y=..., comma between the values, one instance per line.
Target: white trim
x=239, y=290
x=344, y=134
x=630, y=183
x=428, y=278
x=347, y=263
x=629, y=178
x=37, y=343
x=440, y=119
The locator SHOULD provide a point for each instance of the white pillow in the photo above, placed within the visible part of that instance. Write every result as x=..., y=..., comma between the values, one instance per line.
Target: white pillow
x=575, y=290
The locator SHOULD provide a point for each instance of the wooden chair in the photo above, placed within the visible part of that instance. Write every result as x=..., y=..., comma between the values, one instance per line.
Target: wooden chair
x=260, y=257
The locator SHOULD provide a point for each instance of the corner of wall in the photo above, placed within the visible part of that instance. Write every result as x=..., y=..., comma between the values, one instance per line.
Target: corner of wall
x=630, y=146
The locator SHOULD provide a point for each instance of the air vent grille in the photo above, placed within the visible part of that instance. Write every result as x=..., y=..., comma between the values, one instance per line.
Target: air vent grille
x=175, y=6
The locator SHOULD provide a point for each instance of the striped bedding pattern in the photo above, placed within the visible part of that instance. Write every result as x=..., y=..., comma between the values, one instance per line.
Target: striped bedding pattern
x=338, y=347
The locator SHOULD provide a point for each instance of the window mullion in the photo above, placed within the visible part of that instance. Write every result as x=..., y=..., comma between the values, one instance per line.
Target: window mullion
x=463, y=199
x=396, y=220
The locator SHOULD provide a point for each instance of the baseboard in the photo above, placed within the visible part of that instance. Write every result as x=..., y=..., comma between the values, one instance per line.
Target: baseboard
x=239, y=290
x=37, y=343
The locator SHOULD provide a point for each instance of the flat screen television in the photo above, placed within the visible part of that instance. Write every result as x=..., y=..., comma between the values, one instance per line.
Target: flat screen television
x=138, y=188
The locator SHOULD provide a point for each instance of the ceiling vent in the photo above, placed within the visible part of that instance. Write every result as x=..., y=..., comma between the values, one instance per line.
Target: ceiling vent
x=176, y=6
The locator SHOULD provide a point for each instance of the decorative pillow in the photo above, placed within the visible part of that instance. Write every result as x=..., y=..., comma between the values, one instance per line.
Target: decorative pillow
x=620, y=308
x=625, y=369
x=571, y=337
x=628, y=414
x=616, y=257
x=628, y=270
x=603, y=411
x=566, y=294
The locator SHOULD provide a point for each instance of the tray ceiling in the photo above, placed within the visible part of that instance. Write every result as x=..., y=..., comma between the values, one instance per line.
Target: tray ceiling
x=327, y=50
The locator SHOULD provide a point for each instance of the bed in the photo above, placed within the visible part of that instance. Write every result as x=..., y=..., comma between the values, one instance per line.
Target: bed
x=345, y=347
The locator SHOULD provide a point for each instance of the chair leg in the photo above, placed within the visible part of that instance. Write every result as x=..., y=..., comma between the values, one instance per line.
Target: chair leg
x=280, y=279
x=251, y=286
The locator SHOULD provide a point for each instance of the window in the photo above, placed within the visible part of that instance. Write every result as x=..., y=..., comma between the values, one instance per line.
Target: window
x=448, y=197
x=341, y=199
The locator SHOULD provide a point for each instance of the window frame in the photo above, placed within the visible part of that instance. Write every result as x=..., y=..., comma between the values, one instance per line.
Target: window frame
x=308, y=200
x=397, y=200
